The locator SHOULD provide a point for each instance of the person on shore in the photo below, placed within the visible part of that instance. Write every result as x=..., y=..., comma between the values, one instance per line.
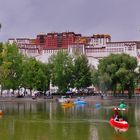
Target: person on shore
x=102, y=96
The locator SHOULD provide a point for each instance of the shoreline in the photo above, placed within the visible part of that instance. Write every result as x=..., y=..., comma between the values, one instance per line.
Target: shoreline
x=86, y=98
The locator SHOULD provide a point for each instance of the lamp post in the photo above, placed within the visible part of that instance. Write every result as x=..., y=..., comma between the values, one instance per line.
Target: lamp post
x=0, y=26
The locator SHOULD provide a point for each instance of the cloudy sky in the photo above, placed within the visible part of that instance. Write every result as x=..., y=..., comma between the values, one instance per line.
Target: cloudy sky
x=27, y=18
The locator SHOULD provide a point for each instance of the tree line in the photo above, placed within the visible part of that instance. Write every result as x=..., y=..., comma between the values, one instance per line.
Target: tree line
x=63, y=71
x=116, y=72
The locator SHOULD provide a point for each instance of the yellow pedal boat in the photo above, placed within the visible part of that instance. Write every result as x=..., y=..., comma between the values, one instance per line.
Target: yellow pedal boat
x=67, y=104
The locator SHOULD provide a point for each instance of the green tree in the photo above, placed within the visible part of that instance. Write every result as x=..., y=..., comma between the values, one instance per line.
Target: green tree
x=82, y=72
x=29, y=73
x=61, y=70
x=9, y=66
x=36, y=75
x=95, y=77
x=4, y=66
x=102, y=82
x=15, y=59
x=18, y=71
x=42, y=77
x=120, y=71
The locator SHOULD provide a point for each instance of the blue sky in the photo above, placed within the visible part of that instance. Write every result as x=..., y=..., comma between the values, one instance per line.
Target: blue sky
x=27, y=18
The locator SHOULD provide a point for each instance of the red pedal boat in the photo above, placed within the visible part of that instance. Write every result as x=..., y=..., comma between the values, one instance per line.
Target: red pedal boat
x=119, y=124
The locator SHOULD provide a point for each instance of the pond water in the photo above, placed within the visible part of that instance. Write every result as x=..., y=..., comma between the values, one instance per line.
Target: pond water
x=47, y=120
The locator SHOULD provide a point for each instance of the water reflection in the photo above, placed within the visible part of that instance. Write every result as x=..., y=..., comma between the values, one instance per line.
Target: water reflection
x=49, y=121
x=118, y=137
x=119, y=130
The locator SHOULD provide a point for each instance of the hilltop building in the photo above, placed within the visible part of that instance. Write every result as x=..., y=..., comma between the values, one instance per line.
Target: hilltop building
x=94, y=47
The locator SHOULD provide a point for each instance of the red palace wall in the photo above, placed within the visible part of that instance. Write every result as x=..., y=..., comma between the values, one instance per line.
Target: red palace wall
x=57, y=40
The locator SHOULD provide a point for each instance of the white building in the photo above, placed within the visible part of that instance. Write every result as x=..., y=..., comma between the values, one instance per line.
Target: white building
x=96, y=52
x=95, y=48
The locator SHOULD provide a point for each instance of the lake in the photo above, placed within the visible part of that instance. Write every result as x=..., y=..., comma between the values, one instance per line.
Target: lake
x=48, y=120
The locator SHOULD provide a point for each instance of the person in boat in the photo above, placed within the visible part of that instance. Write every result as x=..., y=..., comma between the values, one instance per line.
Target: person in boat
x=116, y=115
x=120, y=118
x=68, y=101
x=78, y=99
x=116, y=118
